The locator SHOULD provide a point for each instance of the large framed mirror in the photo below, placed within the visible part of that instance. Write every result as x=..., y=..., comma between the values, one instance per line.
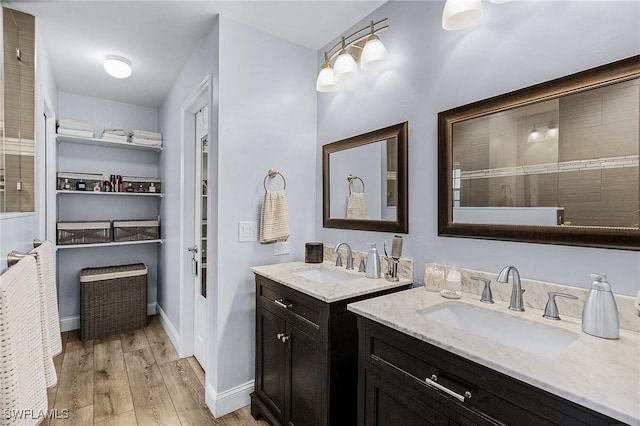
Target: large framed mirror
x=554, y=163
x=365, y=181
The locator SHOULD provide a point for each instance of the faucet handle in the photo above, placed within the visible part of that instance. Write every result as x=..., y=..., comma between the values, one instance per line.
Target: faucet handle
x=551, y=310
x=487, y=295
x=363, y=265
x=339, y=259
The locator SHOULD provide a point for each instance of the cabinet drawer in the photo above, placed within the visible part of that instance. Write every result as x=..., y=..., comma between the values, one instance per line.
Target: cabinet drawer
x=491, y=394
x=293, y=306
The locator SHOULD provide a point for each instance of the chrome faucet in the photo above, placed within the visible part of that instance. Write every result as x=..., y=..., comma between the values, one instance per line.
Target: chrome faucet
x=516, y=303
x=349, y=255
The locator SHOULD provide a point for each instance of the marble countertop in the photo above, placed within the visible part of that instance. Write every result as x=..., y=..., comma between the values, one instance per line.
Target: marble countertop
x=333, y=292
x=600, y=374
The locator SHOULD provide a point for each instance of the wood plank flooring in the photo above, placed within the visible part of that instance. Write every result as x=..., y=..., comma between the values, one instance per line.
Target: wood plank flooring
x=132, y=379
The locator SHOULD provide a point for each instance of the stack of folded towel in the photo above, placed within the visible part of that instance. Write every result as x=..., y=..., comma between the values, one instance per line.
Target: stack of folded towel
x=114, y=134
x=75, y=128
x=144, y=137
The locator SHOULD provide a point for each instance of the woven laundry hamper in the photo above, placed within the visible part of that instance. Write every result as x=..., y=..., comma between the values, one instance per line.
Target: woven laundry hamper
x=113, y=300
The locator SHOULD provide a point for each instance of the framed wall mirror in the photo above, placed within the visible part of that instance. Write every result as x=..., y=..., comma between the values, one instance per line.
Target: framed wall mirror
x=364, y=181
x=553, y=163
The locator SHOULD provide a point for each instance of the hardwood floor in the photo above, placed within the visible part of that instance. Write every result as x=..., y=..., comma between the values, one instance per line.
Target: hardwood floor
x=132, y=379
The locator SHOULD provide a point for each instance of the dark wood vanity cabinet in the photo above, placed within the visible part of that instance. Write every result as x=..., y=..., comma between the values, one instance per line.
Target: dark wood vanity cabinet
x=392, y=388
x=306, y=357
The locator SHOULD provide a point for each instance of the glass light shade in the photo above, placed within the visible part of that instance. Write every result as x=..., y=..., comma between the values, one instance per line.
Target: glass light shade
x=345, y=68
x=117, y=67
x=534, y=136
x=460, y=14
x=552, y=133
x=326, y=81
x=374, y=55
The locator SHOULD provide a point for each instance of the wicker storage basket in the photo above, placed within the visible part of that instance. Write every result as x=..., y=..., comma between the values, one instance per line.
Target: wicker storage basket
x=84, y=232
x=113, y=300
x=135, y=230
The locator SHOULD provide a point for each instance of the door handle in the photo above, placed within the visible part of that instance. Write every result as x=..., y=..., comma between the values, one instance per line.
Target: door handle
x=193, y=249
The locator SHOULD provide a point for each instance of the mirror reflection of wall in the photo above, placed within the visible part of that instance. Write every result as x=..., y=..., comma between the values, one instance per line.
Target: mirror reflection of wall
x=573, y=160
x=17, y=112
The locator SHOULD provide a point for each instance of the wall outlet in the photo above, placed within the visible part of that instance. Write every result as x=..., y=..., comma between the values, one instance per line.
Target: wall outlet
x=247, y=231
x=281, y=248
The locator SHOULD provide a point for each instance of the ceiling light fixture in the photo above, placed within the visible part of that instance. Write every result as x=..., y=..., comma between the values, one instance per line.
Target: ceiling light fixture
x=117, y=67
x=552, y=131
x=363, y=45
x=459, y=14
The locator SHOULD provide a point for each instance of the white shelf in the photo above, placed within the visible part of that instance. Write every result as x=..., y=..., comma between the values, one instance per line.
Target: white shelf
x=106, y=143
x=119, y=243
x=127, y=194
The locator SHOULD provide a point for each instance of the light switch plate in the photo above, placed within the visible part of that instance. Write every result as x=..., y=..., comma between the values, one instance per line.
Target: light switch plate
x=281, y=248
x=247, y=231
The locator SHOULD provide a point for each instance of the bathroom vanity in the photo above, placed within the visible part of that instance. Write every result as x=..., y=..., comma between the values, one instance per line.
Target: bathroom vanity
x=307, y=342
x=416, y=366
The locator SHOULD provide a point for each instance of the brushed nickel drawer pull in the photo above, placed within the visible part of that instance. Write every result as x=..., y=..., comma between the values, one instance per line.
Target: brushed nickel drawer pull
x=282, y=303
x=432, y=382
x=283, y=337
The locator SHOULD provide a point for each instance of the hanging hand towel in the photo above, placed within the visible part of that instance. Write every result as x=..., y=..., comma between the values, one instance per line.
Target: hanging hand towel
x=356, y=208
x=21, y=364
x=46, y=266
x=274, y=221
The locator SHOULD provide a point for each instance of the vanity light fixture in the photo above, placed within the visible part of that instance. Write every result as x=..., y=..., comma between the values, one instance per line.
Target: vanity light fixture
x=117, y=66
x=363, y=45
x=552, y=131
x=534, y=135
x=459, y=14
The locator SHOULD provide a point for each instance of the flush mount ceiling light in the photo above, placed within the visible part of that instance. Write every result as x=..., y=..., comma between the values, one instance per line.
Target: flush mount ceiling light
x=363, y=45
x=459, y=14
x=117, y=67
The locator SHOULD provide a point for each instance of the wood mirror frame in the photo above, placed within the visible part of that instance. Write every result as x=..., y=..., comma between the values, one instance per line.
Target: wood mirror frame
x=401, y=224
x=587, y=236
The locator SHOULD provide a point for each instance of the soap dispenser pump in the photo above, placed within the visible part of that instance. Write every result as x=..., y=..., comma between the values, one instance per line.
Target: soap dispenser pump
x=373, y=268
x=600, y=313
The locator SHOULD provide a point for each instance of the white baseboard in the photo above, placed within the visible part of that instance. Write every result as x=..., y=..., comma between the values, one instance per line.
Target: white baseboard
x=73, y=323
x=171, y=331
x=228, y=401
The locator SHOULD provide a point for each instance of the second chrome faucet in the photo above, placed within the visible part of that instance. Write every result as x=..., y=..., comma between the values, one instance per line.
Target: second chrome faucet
x=516, y=303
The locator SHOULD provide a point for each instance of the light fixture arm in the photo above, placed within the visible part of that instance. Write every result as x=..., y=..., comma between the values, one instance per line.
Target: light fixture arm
x=355, y=37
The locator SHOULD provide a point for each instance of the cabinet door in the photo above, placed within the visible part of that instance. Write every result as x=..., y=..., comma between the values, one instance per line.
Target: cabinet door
x=304, y=384
x=389, y=405
x=271, y=361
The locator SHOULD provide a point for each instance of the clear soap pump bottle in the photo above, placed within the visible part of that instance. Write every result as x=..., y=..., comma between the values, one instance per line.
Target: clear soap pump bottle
x=373, y=268
x=600, y=313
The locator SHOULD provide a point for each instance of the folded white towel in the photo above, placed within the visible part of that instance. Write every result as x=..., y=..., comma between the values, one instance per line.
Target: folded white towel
x=148, y=142
x=75, y=125
x=274, y=220
x=114, y=138
x=48, y=340
x=21, y=362
x=146, y=134
x=356, y=208
x=46, y=264
x=114, y=131
x=72, y=132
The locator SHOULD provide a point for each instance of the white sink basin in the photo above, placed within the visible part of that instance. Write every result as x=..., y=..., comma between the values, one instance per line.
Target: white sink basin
x=531, y=338
x=324, y=276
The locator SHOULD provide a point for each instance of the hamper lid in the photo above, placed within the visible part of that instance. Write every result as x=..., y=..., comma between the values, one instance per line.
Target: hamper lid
x=112, y=272
x=134, y=223
x=83, y=225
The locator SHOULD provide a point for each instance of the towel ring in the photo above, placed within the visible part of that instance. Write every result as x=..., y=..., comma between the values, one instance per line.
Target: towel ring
x=14, y=257
x=272, y=174
x=351, y=178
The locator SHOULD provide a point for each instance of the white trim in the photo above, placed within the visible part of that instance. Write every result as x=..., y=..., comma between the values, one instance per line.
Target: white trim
x=230, y=400
x=200, y=97
x=174, y=337
x=73, y=323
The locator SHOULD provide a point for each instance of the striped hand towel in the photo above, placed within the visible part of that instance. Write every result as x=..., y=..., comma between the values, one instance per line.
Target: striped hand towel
x=274, y=220
x=356, y=208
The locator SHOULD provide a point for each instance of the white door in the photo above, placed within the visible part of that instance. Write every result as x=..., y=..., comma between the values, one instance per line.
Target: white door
x=199, y=263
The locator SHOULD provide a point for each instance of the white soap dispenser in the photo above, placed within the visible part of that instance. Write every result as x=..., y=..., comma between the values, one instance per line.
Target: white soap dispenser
x=373, y=269
x=600, y=313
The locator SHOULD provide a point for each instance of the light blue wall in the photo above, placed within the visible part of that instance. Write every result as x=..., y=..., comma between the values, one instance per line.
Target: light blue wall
x=17, y=232
x=514, y=45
